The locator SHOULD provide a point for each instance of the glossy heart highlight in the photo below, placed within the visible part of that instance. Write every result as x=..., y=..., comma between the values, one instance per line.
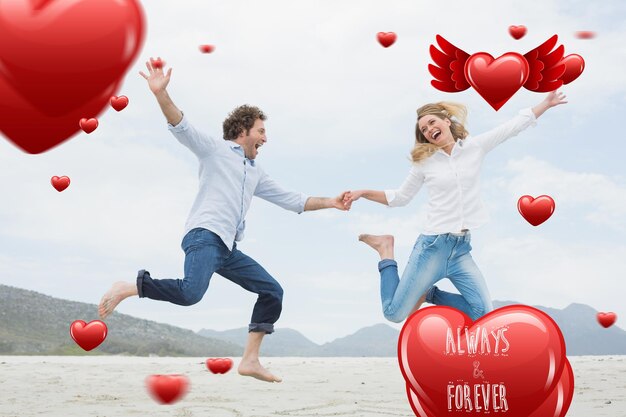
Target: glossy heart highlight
x=88, y=336
x=535, y=210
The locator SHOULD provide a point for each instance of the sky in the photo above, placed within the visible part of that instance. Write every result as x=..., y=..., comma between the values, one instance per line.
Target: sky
x=341, y=116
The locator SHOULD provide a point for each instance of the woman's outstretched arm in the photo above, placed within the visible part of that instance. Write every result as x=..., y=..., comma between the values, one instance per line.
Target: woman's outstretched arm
x=372, y=195
x=553, y=98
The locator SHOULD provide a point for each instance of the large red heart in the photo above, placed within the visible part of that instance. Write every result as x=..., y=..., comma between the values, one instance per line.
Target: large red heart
x=517, y=349
x=60, y=61
x=219, y=365
x=167, y=389
x=535, y=210
x=606, y=319
x=88, y=336
x=574, y=66
x=496, y=80
x=556, y=405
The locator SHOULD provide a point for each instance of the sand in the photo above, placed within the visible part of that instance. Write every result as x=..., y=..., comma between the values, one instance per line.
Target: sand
x=110, y=386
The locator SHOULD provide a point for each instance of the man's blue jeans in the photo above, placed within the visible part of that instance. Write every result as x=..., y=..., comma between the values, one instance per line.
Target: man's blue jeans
x=434, y=257
x=205, y=253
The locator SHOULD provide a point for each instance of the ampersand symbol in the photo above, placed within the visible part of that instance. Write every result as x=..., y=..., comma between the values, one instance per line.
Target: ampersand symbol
x=477, y=372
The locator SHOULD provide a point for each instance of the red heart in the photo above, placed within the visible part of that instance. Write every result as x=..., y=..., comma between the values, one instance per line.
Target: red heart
x=556, y=405
x=119, y=103
x=517, y=32
x=207, y=49
x=606, y=319
x=585, y=34
x=167, y=389
x=535, y=210
x=157, y=63
x=88, y=125
x=386, y=39
x=517, y=349
x=60, y=183
x=86, y=46
x=88, y=336
x=496, y=80
x=574, y=66
x=219, y=365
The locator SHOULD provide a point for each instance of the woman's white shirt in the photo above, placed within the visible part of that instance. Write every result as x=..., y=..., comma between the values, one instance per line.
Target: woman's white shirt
x=453, y=181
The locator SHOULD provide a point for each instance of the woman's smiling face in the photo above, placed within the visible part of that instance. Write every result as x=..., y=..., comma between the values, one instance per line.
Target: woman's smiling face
x=435, y=129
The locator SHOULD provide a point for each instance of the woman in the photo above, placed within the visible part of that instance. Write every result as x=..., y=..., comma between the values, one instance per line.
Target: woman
x=448, y=161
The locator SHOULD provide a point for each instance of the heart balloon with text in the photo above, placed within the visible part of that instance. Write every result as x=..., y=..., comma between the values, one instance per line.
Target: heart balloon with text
x=510, y=360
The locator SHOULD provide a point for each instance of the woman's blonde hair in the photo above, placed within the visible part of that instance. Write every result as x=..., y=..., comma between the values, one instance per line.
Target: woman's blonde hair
x=457, y=114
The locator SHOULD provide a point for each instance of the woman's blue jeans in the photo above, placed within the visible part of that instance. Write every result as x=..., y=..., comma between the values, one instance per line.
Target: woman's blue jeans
x=434, y=257
x=205, y=254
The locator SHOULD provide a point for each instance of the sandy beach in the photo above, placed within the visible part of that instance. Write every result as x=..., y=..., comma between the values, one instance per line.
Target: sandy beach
x=110, y=386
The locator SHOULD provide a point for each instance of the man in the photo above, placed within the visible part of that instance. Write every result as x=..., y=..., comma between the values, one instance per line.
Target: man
x=229, y=177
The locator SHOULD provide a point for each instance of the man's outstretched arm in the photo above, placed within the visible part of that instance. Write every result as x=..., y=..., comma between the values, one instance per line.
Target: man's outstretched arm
x=158, y=81
x=317, y=203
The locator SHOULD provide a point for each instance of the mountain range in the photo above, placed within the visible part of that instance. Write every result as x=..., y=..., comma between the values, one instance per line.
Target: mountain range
x=35, y=324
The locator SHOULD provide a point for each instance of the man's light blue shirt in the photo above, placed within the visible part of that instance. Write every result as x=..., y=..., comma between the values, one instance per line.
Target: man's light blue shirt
x=228, y=181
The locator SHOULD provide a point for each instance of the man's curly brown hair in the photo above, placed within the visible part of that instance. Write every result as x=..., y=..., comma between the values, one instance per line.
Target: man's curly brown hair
x=241, y=120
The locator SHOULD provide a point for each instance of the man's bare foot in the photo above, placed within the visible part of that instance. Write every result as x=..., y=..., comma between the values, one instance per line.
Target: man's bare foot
x=118, y=292
x=256, y=370
x=382, y=244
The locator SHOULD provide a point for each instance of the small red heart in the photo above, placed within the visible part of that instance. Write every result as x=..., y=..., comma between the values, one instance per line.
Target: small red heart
x=219, y=365
x=574, y=66
x=386, y=39
x=535, y=210
x=585, y=34
x=517, y=349
x=167, y=389
x=207, y=49
x=606, y=319
x=88, y=336
x=517, y=32
x=119, y=103
x=88, y=125
x=157, y=63
x=496, y=80
x=60, y=183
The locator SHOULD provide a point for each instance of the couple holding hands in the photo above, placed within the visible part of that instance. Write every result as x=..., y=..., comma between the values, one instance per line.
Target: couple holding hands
x=446, y=159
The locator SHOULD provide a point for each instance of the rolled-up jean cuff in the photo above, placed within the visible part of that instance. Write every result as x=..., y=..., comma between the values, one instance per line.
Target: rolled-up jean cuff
x=268, y=328
x=430, y=294
x=385, y=263
x=140, y=276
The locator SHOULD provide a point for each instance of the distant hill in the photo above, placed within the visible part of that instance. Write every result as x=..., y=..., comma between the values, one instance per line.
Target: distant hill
x=35, y=324
x=283, y=342
x=583, y=335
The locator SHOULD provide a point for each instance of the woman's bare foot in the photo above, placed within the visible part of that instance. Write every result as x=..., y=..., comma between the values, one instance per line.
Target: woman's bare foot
x=118, y=292
x=256, y=370
x=382, y=244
